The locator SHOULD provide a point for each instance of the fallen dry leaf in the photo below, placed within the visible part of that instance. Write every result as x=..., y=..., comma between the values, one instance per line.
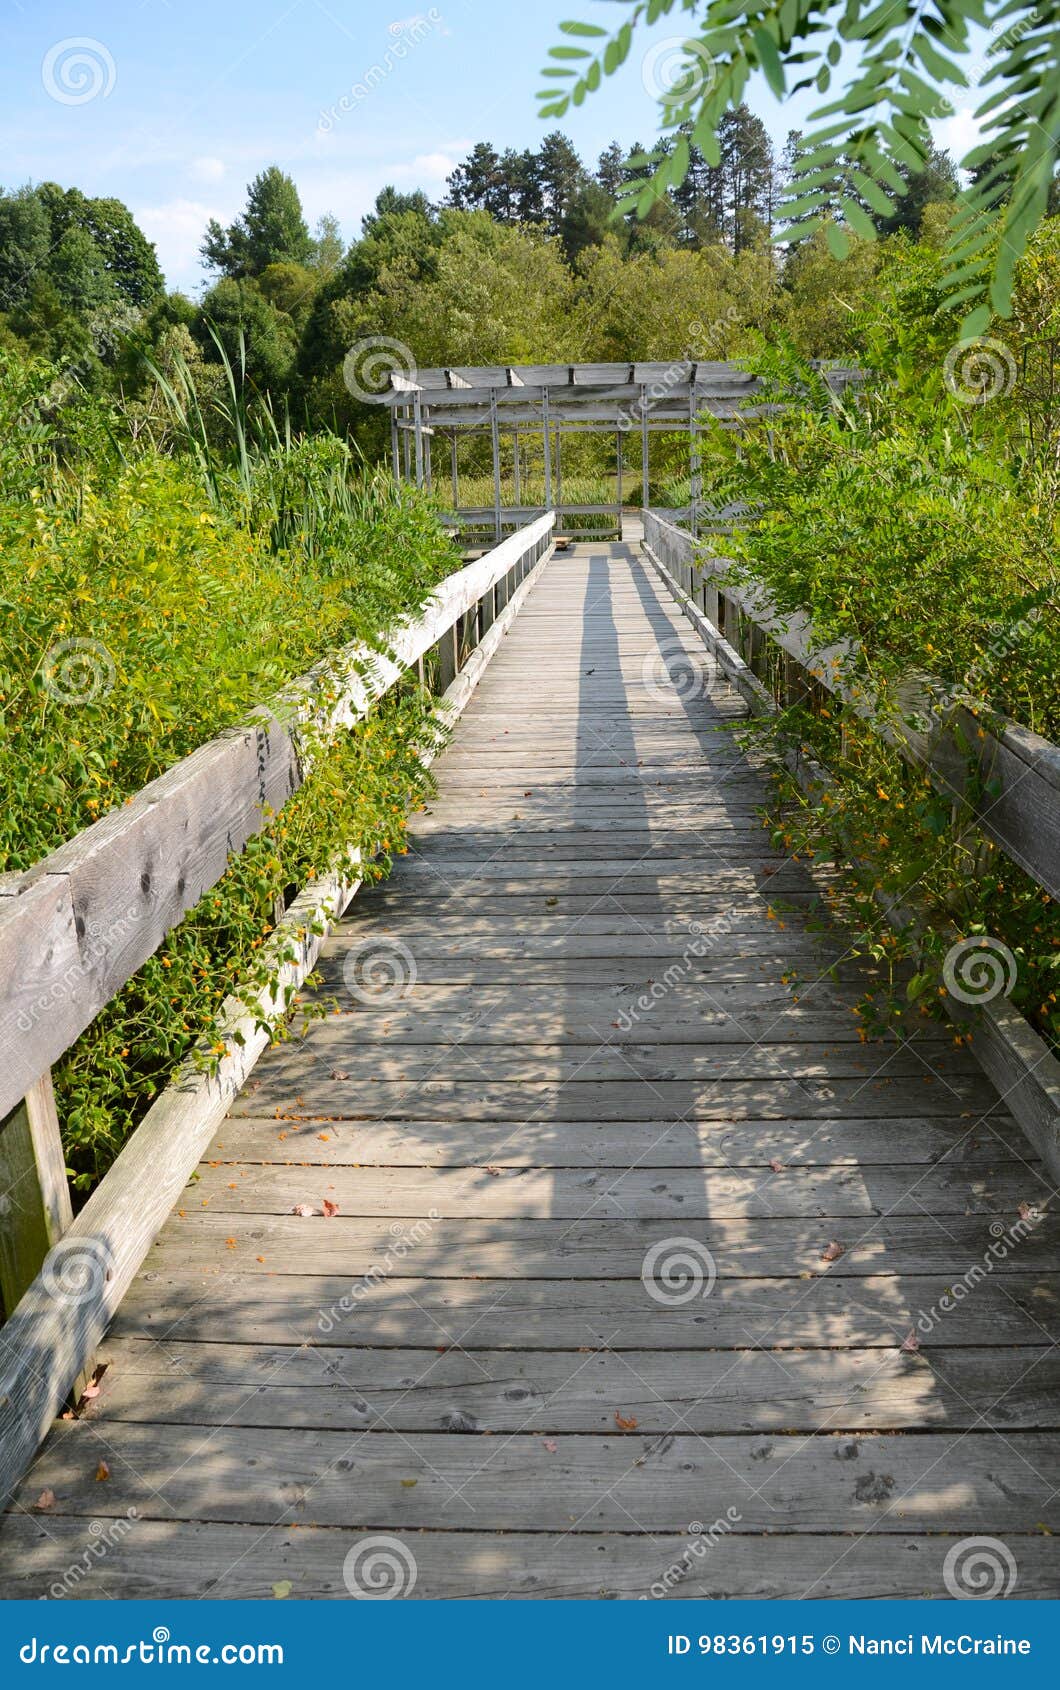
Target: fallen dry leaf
x=777, y=1167
x=625, y=1423
x=282, y=1589
x=328, y=1208
x=46, y=1499
x=551, y=1445
x=303, y=1209
x=833, y=1251
x=911, y=1343
x=102, y=1472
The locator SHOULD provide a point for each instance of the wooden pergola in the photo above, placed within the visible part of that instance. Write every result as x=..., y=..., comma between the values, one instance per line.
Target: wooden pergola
x=547, y=402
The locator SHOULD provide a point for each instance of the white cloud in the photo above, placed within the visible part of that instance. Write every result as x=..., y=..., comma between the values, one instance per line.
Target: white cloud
x=208, y=169
x=177, y=229
x=432, y=168
x=959, y=133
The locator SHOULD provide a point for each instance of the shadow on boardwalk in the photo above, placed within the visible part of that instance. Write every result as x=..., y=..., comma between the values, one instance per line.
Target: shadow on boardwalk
x=630, y=1235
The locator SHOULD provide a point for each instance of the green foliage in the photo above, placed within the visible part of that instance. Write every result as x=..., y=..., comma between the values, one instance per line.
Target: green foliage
x=918, y=518
x=272, y=230
x=189, y=586
x=870, y=143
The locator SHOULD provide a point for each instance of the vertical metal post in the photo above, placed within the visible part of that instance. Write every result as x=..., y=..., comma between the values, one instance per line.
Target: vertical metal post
x=394, y=446
x=548, y=458
x=453, y=472
x=496, y=444
x=693, y=512
x=515, y=449
x=417, y=416
x=405, y=442
x=618, y=455
x=559, y=465
x=427, y=451
x=644, y=445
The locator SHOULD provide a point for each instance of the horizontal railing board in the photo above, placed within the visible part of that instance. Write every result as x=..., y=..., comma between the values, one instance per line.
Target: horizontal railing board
x=50, y=1338
x=79, y=924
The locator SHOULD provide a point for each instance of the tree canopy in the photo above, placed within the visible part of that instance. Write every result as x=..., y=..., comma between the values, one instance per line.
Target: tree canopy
x=870, y=142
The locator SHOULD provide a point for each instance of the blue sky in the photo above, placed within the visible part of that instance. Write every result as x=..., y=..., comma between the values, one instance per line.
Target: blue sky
x=190, y=99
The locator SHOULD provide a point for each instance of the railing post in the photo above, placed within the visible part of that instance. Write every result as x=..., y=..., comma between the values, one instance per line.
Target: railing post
x=35, y=1207
x=448, y=657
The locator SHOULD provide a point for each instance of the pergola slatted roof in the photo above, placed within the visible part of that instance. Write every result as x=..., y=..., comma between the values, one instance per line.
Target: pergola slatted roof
x=550, y=400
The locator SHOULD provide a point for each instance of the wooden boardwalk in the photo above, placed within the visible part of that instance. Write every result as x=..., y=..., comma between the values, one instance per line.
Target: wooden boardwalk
x=630, y=1231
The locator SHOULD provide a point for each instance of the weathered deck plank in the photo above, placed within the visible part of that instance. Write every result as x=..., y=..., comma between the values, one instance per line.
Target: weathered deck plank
x=633, y=1231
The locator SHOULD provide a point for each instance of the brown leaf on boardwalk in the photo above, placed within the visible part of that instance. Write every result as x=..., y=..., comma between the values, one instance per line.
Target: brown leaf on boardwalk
x=303, y=1209
x=833, y=1251
x=777, y=1167
x=911, y=1343
x=328, y=1208
x=550, y=1445
x=495, y=1172
x=46, y=1499
x=102, y=1472
x=625, y=1423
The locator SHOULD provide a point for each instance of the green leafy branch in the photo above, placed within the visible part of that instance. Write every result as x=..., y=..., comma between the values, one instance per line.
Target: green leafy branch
x=864, y=142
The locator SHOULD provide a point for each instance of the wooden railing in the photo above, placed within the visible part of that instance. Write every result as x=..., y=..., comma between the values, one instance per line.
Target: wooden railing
x=1001, y=775
x=76, y=927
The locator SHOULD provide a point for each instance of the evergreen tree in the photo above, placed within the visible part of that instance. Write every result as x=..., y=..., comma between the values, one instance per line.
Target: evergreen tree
x=561, y=174
x=272, y=230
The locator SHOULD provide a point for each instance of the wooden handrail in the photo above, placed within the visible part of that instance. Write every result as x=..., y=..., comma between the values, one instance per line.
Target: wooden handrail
x=63, y=1310
x=77, y=926
x=1009, y=776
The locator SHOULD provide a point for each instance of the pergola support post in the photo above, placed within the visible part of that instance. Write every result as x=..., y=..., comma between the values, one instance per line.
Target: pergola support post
x=496, y=445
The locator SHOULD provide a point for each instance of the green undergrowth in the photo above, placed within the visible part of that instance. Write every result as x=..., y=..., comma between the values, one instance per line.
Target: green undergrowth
x=150, y=599
x=923, y=529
